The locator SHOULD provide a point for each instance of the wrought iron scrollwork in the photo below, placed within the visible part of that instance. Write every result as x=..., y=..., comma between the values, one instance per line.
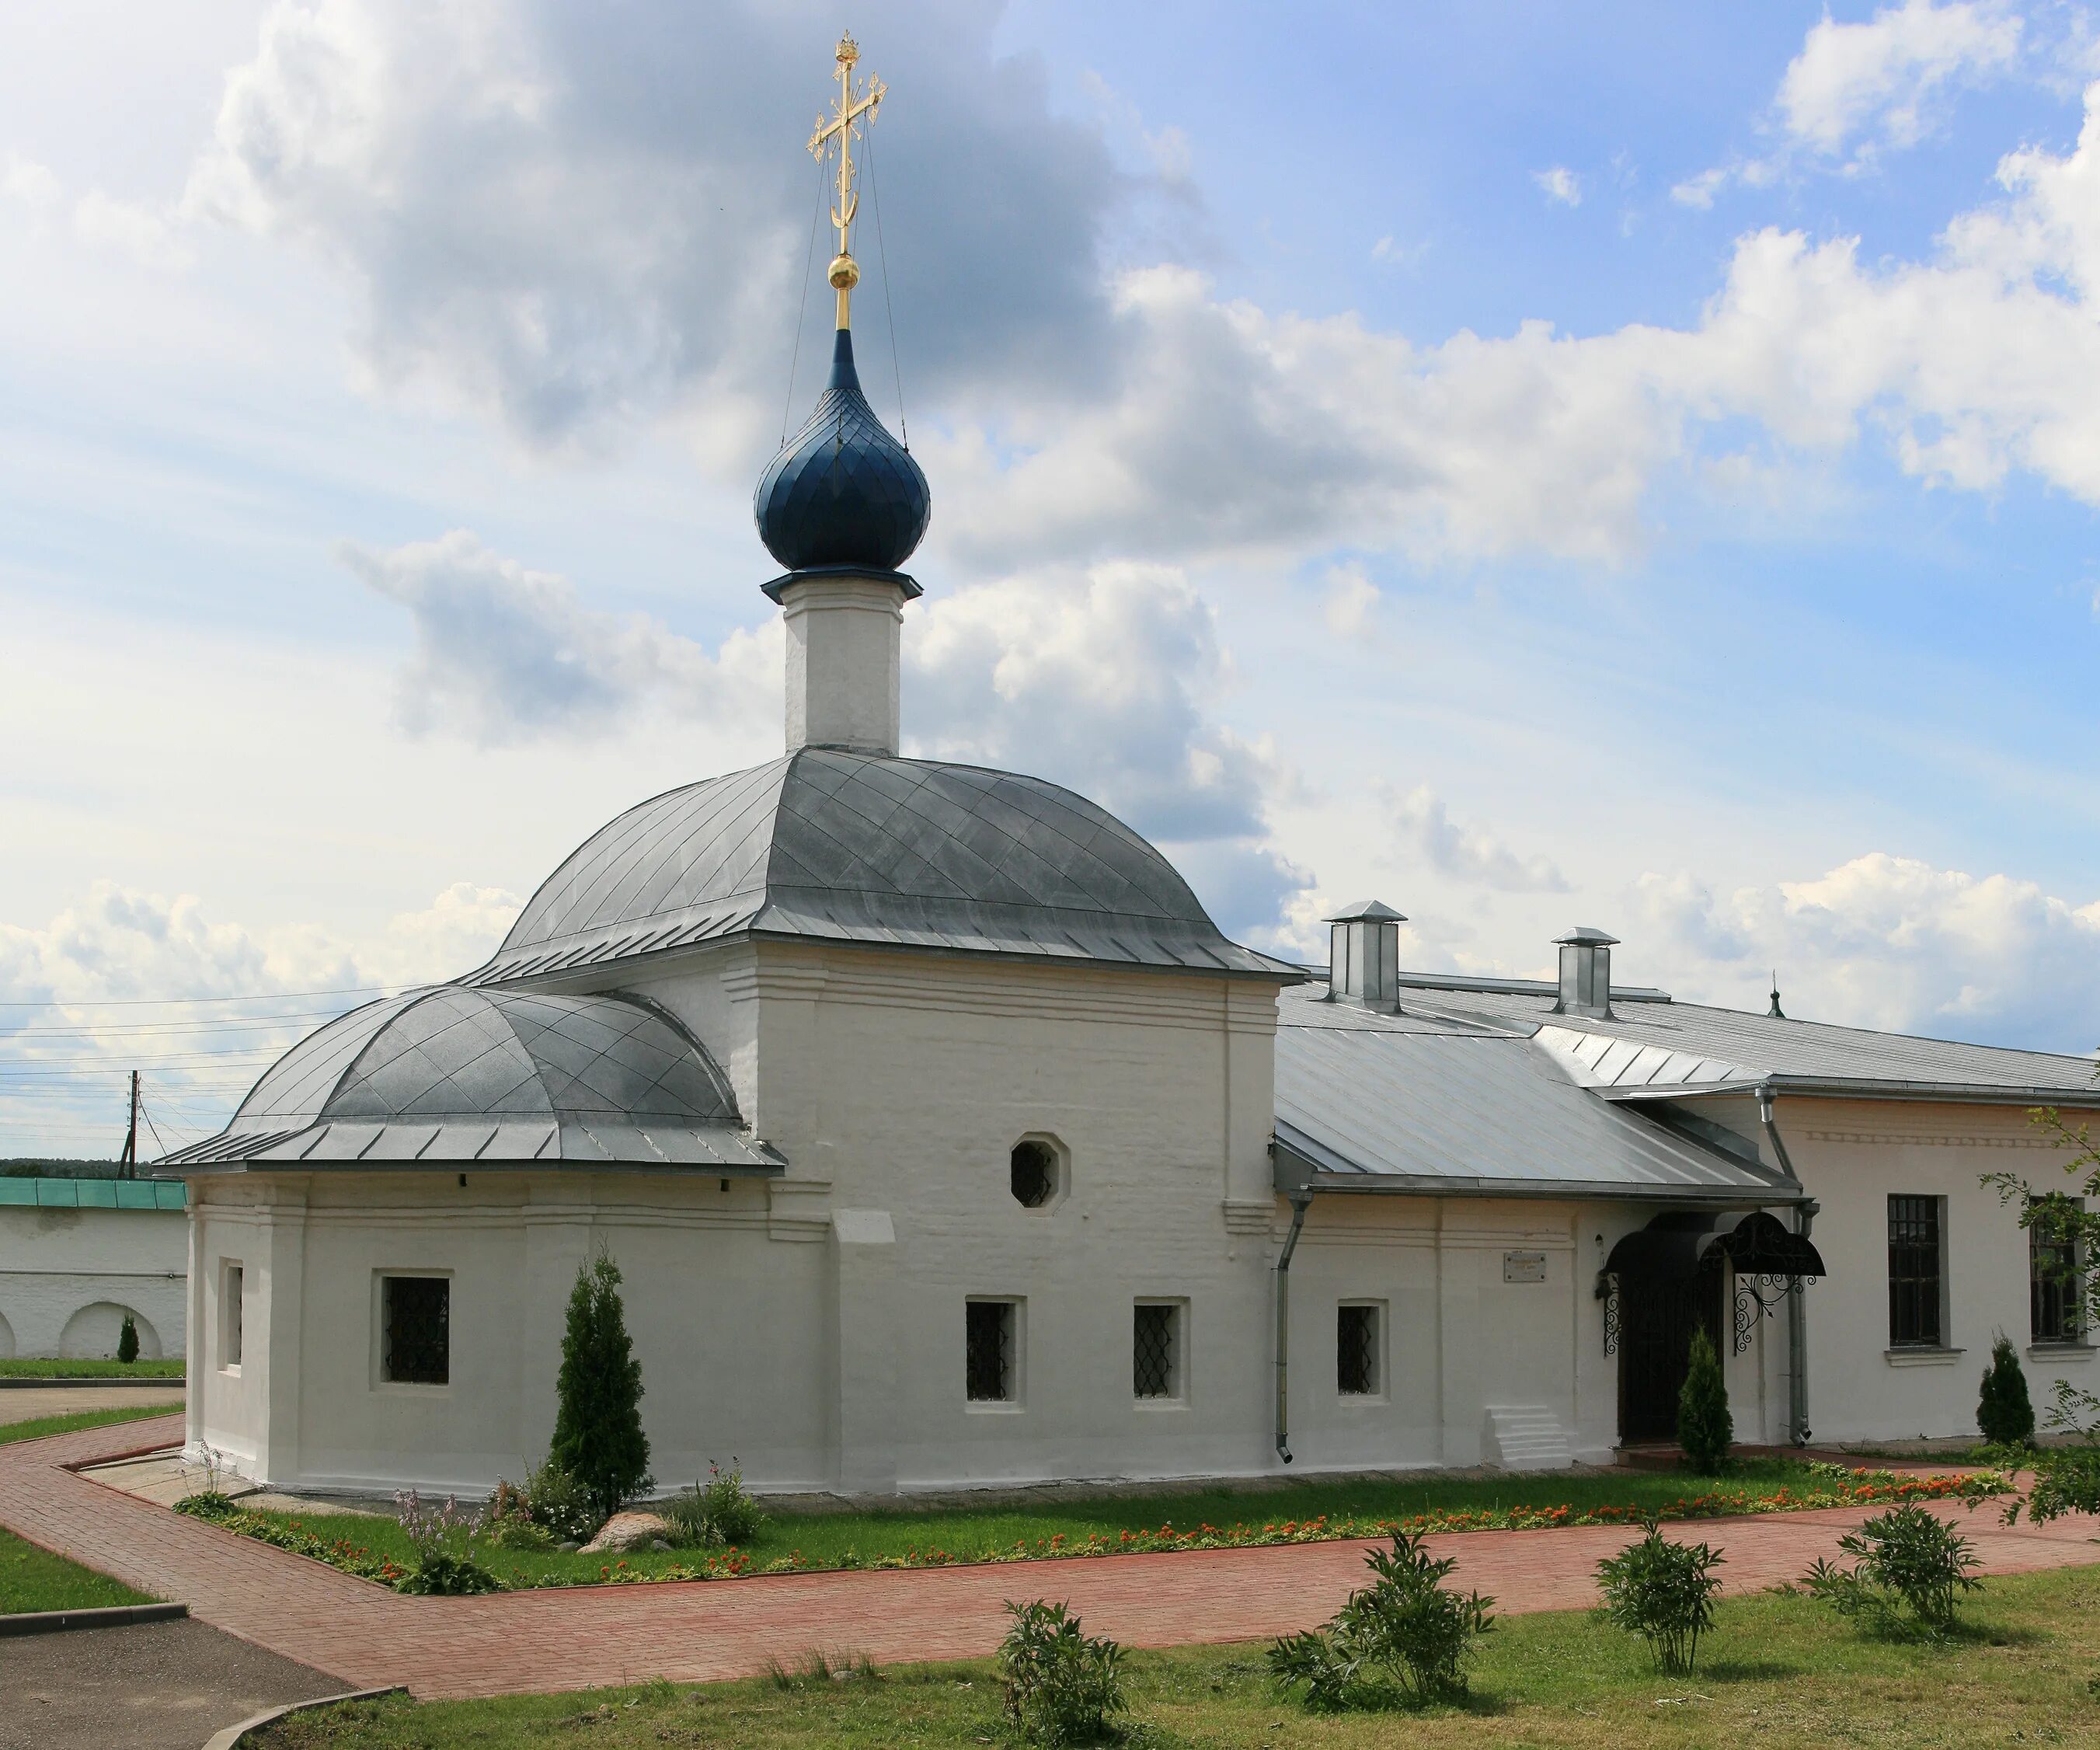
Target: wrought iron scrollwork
x=1761, y=1295
x=1608, y=1292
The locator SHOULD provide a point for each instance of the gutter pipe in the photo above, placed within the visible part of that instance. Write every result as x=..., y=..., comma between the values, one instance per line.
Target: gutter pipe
x=1301, y=1201
x=1797, y=1318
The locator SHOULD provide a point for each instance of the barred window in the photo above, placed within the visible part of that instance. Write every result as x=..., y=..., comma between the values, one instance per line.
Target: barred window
x=415, y=1330
x=1356, y=1351
x=2055, y=1288
x=988, y=1329
x=1034, y=1173
x=1914, y=1273
x=1155, y=1353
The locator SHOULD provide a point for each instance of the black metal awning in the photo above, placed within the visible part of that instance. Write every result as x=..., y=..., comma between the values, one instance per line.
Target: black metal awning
x=1675, y=1247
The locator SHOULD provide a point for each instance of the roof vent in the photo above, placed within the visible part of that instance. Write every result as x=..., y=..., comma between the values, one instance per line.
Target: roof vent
x=1586, y=973
x=1364, y=962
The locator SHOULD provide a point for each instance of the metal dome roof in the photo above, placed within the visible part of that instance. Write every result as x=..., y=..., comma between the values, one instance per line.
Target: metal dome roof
x=843, y=493
x=861, y=847
x=449, y=1075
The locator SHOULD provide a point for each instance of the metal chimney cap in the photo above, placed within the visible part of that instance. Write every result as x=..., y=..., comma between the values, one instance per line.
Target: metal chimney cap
x=1367, y=912
x=1585, y=935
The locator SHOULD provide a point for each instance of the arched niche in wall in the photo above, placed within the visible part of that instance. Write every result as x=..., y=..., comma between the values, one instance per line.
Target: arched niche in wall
x=93, y=1332
x=7, y=1338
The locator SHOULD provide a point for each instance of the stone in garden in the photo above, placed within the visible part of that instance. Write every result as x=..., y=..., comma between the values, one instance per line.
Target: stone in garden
x=627, y=1530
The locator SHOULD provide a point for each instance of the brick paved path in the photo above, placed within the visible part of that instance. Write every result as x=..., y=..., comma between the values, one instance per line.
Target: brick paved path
x=569, y=1639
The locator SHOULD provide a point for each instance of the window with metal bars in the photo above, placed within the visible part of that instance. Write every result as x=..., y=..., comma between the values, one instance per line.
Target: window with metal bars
x=1155, y=1350
x=1356, y=1351
x=1033, y=1173
x=988, y=1327
x=229, y=1317
x=415, y=1330
x=1914, y=1273
x=2055, y=1287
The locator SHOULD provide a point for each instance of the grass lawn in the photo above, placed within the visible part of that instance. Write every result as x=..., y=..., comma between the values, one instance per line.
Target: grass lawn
x=35, y=1579
x=1779, y=1672
x=836, y=1540
x=46, y=1367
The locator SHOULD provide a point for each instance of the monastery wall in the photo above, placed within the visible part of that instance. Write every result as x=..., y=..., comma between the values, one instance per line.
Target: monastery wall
x=68, y=1275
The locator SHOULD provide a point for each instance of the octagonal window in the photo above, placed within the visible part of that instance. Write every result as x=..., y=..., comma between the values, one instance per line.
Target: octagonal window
x=1035, y=1169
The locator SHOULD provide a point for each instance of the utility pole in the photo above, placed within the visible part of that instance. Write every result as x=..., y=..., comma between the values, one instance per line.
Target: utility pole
x=130, y=1162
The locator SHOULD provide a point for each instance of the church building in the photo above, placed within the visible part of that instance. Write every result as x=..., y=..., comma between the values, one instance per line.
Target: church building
x=943, y=1139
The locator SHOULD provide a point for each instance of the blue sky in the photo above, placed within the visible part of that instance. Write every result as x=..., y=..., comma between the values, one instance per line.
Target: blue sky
x=1632, y=465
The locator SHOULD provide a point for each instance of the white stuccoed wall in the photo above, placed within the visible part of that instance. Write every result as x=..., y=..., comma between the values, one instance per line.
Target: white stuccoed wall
x=67, y=1276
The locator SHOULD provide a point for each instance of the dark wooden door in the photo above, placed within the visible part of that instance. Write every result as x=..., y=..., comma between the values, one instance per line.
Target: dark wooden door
x=1657, y=1318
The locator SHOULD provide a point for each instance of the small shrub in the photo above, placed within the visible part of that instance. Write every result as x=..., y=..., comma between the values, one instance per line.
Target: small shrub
x=1062, y=1685
x=2005, y=1413
x=1908, y=1570
x=597, y=1421
x=127, y=1342
x=1664, y=1593
x=520, y=1536
x=1704, y=1429
x=714, y=1512
x=442, y=1538
x=1404, y=1637
x=560, y=1504
x=818, y=1667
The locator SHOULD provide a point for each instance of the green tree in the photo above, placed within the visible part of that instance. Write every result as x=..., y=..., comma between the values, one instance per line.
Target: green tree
x=2003, y=1409
x=127, y=1341
x=1704, y=1429
x=598, y=1426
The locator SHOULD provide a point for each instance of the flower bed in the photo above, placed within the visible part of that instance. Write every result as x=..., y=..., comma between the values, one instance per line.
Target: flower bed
x=336, y=1551
x=1840, y=1488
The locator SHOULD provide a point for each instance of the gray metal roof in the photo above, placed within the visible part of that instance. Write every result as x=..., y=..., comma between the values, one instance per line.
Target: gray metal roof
x=1657, y=1048
x=1374, y=1108
x=857, y=847
x=448, y=1075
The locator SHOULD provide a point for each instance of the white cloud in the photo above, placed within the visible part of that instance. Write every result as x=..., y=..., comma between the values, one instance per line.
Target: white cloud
x=1101, y=681
x=1877, y=81
x=1893, y=942
x=1699, y=191
x=503, y=653
x=1466, y=853
x=1352, y=601
x=1560, y=184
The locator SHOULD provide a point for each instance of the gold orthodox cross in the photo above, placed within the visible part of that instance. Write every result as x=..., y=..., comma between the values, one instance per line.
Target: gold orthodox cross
x=846, y=117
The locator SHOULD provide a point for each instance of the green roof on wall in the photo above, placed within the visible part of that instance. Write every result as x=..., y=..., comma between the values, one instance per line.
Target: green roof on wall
x=94, y=1193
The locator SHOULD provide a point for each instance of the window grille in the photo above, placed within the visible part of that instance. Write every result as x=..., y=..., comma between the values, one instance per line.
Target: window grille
x=415, y=1330
x=1155, y=1346
x=988, y=1351
x=1914, y=1273
x=1356, y=1351
x=229, y=1345
x=1034, y=1173
x=2056, y=1290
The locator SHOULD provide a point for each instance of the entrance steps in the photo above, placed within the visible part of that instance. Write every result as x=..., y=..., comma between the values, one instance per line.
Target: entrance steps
x=1525, y=1437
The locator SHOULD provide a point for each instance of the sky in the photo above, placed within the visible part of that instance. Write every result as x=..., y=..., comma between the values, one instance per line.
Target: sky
x=1620, y=464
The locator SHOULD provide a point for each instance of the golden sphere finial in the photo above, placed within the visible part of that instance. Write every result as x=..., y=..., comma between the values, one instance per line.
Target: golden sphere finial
x=845, y=272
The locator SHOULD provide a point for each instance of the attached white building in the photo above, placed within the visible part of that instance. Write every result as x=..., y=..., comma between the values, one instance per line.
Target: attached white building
x=943, y=1139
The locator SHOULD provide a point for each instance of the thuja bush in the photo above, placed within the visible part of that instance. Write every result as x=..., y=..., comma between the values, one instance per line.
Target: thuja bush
x=597, y=1425
x=1405, y=1638
x=127, y=1341
x=1909, y=1569
x=2004, y=1413
x=1704, y=1429
x=1062, y=1685
x=1664, y=1593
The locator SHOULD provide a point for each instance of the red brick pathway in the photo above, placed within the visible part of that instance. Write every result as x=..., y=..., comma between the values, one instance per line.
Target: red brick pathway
x=571, y=1638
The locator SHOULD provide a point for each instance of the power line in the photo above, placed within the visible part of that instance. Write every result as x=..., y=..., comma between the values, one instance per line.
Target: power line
x=239, y=1023
x=163, y=1002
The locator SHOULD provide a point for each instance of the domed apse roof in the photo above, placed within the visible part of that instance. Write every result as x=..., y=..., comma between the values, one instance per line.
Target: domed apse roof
x=446, y=1076
x=844, y=494
x=855, y=847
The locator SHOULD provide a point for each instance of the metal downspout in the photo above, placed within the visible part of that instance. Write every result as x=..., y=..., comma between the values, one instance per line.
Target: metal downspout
x=1797, y=1319
x=1301, y=1201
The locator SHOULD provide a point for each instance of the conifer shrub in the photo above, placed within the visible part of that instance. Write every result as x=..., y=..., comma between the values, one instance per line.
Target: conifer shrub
x=1062, y=1685
x=2004, y=1413
x=598, y=1427
x=1704, y=1429
x=127, y=1344
x=1664, y=1593
x=1404, y=1638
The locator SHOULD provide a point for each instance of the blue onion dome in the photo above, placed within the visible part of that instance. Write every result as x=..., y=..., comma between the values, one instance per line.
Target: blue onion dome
x=844, y=491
